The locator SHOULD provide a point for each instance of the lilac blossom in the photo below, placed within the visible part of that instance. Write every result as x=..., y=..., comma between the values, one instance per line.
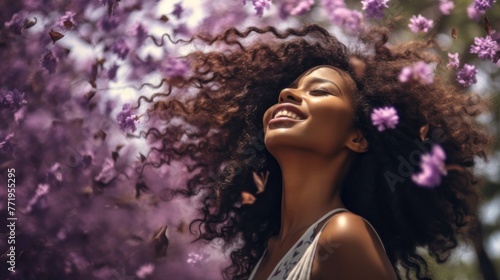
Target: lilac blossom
x=445, y=6
x=374, y=8
x=483, y=5
x=16, y=23
x=420, y=24
x=260, y=5
x=474, y=14
x=295, y=7
x=384, y=118
x=120, y=48
x=126, y=119
x=432, y=168
x=331, y=5
x=49, y=61
x=11, y=99
x=467, y=75
x=420, y=72
x=139, y=32
x=485, y=48
x=453, y=61
x=177, y=12
x=351, y=21
x=175, y=67
x=67, y=21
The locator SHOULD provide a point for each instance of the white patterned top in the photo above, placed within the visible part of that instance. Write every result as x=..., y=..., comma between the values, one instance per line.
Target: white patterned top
x=296, y=264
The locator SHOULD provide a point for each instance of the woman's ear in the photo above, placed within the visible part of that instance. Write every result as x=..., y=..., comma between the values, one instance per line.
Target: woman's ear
x=356, y=142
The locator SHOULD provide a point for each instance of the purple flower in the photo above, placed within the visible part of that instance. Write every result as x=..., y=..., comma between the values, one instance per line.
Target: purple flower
x=420, y=71
x=139, y=32
x=112, y=72
x=453, y=61
x=420, y=24
x=126, y=119
x=432, y=168
x=467, y=75
x=120, y=48
x=483, y=5
x=49, y=61
x=374, y=8
x=445, y=6
x=109, y=23
x=485, y=48
x=12, y=100
x=384, y=118
x=351, y=21
x=67, y=21
x=473, y=13
x=16, y=23
x=331, y=5
x=260, y=5
x=178, y=10
x=295, y=7
x=174, y=67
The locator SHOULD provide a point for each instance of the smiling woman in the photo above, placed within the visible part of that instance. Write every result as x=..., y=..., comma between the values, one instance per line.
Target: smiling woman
x=298, y=149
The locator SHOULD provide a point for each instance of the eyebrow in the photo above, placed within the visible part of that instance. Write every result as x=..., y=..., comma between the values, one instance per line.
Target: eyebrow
x=316, y=80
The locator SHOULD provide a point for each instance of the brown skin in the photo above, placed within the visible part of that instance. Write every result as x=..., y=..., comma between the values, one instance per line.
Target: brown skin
x=314, y=155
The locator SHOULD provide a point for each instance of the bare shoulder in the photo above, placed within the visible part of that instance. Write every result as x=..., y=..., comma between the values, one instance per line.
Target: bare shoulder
x=349, y=249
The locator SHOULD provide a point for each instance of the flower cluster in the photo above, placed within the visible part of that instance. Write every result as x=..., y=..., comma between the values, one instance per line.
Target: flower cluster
x=467, y=75
x=485, y=48
x=374, y=8
x=432, y=168
x=350, y=20
x=126, y=119
x=420, y=24
x=419, y=72
x=384, y=118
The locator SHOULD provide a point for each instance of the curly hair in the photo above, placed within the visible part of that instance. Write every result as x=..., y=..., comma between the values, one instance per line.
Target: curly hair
x=239, y=75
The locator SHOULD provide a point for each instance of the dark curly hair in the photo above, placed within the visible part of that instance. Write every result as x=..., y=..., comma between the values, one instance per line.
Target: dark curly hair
x=238, y=75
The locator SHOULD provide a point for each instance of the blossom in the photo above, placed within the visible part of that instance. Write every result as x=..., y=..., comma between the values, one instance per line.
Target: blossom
x=295, y=7
x=139, y=32
x=331, y=5
x=420, y=71
x=126, y=119
x=445, y=6
x=420, y=24
x=49, y=61
x=260, y=5
x=12, y=99
x=453, y=61
x=384, y=118
x=473, y=13
x=177, y=10
x=432, y=168
x=174, y=67
x=67, y=21
x=374, y=8
x=483, y=5
x=467, y=75
x=120, y=48
x=145, y=270
x=485, y=48
x=350, y=20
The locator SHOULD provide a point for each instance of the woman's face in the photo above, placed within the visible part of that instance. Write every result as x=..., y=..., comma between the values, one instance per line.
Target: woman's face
x=314, y=113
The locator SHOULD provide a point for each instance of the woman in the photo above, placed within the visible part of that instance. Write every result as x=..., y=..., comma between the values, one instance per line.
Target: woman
x=318, y=162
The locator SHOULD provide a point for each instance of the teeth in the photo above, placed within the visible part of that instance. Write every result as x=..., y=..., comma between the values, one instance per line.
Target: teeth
x=287, y=114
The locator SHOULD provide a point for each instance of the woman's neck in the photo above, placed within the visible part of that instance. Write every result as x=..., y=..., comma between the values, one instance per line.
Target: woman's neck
x=311, y=188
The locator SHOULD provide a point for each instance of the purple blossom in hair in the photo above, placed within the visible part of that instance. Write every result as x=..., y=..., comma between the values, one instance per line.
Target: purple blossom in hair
x=432, y=168
x=295, y=7
x=331, y=5
x=126, y=119
x=445, y=6
x=16, y=23
x=12, y=99
x=420, y=71
x=483, y=5
x=178, y=10
x=473, y=13
x=260, y=5
x=420, y=24
x=374, y=8
x=351, y=21
x=120, y=48
x=467, y=75
x=67, y=21
x=453, y=61
x=384, y=118
x=49, y=61
x=485, y=48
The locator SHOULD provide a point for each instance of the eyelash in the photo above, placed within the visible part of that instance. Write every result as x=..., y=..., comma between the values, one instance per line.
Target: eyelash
x=322, y=91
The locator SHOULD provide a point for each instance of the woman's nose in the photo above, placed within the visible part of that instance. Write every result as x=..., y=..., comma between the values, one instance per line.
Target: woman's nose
x=289, y=95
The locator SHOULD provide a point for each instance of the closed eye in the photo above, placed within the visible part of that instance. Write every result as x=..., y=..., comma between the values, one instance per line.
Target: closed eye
x=320, y=92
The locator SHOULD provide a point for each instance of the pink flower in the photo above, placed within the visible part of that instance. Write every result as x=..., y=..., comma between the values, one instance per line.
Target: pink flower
x=384, y=118
x=445, y=6
x=453, y=61
x=420, y=72
x=420, y=24
x=467, y=75
x=432, y=168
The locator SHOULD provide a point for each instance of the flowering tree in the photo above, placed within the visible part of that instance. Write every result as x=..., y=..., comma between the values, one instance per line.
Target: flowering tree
x=87, y=201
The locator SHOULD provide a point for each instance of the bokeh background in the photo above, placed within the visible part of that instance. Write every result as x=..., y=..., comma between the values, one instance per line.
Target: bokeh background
x=92, y=196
